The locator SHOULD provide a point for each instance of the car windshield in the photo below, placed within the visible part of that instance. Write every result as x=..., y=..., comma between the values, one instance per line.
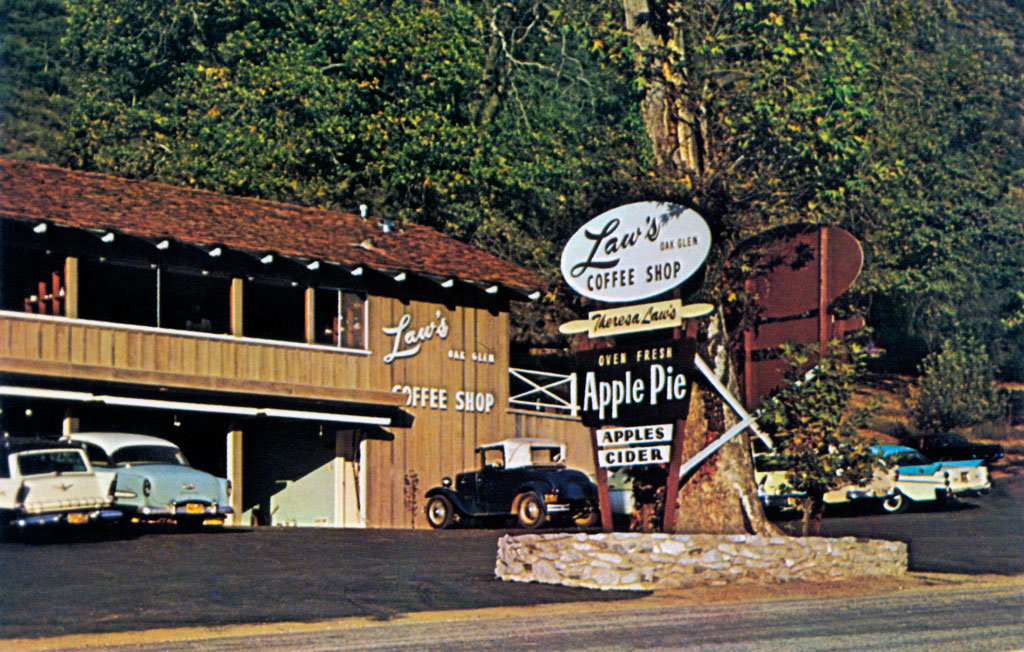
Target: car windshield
x=907, y=458
x=148, y=455
x=36, y=463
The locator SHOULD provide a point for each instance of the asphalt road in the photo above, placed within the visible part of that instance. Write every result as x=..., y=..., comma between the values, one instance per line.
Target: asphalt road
x=975, y=617
x=162, y=579
x=973, y=535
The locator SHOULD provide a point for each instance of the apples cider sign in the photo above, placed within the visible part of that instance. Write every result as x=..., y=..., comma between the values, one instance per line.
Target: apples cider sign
x=635, y=252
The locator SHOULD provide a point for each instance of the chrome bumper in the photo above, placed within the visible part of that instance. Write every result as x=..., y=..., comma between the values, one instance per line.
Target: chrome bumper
x=56, y=519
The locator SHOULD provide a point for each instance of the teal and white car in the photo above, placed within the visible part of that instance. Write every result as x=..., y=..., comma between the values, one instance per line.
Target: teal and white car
x=918, y=479
x=155, y=481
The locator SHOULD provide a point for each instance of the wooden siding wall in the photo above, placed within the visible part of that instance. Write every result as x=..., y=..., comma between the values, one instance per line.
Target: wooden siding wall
x=100, y=351
x=441, y=441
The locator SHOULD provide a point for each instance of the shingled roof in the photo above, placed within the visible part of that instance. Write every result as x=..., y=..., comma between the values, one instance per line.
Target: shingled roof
x=35, y=192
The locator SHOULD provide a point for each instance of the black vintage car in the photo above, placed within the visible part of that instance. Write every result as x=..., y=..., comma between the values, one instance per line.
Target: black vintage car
x=520, y=477
x=950, y=447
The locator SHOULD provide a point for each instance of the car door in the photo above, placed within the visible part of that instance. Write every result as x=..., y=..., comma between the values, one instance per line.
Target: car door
x=496, y=488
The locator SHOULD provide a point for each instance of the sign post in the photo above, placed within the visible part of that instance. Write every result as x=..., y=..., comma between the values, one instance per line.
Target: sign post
x=635, y=398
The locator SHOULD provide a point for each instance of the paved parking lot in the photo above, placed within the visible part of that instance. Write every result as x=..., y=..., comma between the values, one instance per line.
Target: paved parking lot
x=157, y=578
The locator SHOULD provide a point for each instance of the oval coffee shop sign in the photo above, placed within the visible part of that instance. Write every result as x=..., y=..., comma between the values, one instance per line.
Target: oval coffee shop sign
x=635, y=251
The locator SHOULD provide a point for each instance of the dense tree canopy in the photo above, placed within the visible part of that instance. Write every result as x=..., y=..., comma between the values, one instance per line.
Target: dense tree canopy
x=510, y=123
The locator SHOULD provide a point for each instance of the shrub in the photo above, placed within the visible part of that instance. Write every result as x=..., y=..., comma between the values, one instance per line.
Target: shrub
x=957, y=388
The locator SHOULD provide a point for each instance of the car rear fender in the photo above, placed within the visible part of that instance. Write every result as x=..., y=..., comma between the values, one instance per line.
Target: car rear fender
x=539, y=488
x=461, y=507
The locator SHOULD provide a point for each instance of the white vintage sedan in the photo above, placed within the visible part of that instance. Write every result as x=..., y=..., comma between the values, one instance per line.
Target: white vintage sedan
x=155, y=481
x=770, y=477
x=44, y=482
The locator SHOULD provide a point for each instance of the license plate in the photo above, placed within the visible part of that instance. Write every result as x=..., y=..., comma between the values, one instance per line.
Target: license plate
x=194, y=508
x=78, y=519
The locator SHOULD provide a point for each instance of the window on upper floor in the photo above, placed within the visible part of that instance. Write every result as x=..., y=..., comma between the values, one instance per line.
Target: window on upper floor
x=339, y=318
x=274, y=312
x=195, y=302
x=32, y=281
x=117, y=293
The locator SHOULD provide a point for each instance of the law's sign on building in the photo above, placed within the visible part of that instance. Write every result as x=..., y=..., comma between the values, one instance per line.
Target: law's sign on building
x=635, y=252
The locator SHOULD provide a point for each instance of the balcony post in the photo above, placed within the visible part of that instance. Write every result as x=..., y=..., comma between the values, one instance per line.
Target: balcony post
x=310, y=316
x=236, y=307
x=71, y=287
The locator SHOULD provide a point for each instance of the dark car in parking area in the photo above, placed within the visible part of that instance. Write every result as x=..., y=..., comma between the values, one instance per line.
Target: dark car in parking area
x=520, y=477
x=950, y=447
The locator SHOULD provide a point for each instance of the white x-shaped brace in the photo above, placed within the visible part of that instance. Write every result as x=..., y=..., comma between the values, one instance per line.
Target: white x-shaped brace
x=747, y=420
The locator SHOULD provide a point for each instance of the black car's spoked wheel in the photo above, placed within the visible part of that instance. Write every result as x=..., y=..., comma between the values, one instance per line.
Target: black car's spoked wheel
x=531, y=511
x=440, y=513
x=588, y=518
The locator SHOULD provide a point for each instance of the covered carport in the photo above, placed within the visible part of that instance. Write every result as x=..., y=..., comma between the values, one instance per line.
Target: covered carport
x=291, y=460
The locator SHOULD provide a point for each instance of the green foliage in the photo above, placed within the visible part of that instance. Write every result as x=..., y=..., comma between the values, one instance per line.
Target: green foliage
x=812, y=426
x=944, y=236
x=956, y=386
x=33, y=96
x=489, y=122
x=509, y=124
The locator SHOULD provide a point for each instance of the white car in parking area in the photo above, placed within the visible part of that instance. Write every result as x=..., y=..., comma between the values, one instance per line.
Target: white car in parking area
x=155, y=481
x=45, y=482
x=770, y=476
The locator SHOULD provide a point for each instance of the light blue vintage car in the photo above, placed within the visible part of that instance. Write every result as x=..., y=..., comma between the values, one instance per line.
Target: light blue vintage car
x=155, y=481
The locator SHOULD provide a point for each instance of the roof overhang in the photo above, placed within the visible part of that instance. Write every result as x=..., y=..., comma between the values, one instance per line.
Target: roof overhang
x=372, y=417
x=217, y=258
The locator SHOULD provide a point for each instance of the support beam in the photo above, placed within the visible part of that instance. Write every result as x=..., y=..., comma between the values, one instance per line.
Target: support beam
x=236, y=307
x=234, y=473
x=71, y=288
x=69, y=425
x=310, y=318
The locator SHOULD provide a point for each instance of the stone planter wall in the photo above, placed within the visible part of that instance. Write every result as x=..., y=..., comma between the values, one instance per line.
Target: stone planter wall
x=637, y=561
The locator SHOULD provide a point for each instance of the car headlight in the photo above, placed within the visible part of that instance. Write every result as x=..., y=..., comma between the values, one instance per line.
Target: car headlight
x=147, y=487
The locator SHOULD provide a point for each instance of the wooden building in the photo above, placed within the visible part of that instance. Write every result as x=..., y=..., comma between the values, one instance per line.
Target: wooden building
x=332, y=365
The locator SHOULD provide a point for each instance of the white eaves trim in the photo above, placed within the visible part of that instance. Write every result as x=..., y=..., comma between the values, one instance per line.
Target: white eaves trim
x=125, y=401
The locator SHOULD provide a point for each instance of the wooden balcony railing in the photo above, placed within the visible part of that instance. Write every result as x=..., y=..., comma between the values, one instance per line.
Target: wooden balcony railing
x=87, y=350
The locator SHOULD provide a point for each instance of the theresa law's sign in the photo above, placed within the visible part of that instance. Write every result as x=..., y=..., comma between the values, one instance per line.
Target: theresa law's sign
x=634, y=385
x=635, y=252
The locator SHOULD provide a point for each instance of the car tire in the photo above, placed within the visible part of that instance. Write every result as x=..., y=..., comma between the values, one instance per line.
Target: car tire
x=895, y=504
x=588, y=518
x=440, y=512
x=531, y=512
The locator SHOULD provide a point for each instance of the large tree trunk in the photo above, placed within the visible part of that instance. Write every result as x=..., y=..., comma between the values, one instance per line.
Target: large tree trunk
x=720, y=495
x=677, y=135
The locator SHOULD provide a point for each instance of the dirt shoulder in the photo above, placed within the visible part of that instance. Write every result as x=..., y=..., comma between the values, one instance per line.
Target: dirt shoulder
x=676, y=598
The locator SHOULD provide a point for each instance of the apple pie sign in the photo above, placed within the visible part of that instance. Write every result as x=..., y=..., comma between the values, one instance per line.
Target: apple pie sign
x=635, y=252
